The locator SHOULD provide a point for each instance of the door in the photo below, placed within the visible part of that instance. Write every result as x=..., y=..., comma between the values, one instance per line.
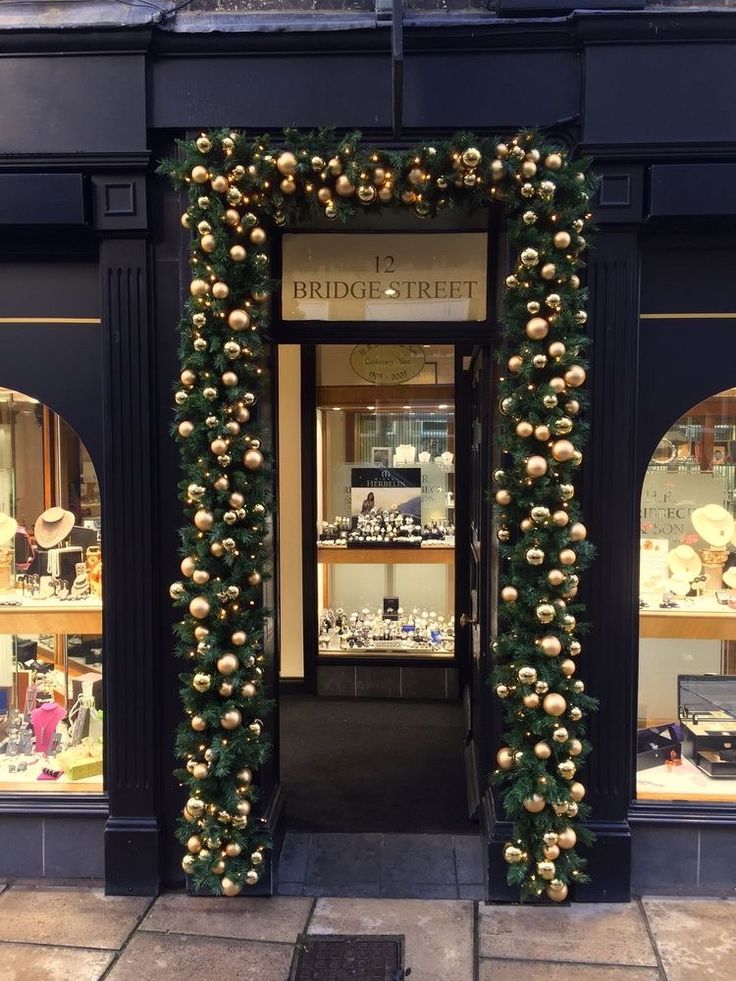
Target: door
x=475, y=621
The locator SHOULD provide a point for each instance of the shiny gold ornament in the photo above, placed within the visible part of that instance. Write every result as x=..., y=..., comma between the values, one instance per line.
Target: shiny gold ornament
x=199, y=607
x=188, y=863
x=579, y=687
x=581, y=317
x=176, y=590
x=575, y=647
x=534, y=556
x=512, y=282
x=254, y=579
x=577, y=791
x=503, y=534
x=575, y=376
x=505, y=758
x=548, y=271
x=253, y=459
x=554, y=704
x=512, y=854
x=567, y=556
x=239, y=821
x=566, y=769
x=502, y=691
x=537, y=328
x=506, y=405
x=567, y=492
x=545, y=613
x=181, y=397
x=569, y=623
x=524, y=429
x=529, y=257
x=560, y=735
x=533, y=307
x=527, y=675
x=529, y=217
x=257, y=858
x=230, y=888
x=232, y=719
x=540, y=514
x=549, y=401
x=228, y=664
x=560, y=809
x=201, y=682
x=471, y=157
x=536, y=466
x=251, y=877
x=245, y=775
x=562, y=426
x=550, y=645
x=527, y=190
x=572, y=809
x=188, y=565
x=366, y=193
x=542, y=751
x=509, y=594
x=573, y=407
x=567, y=838
x=576, y=714
x=534, y=804
x=546, y=869
x=200, y=174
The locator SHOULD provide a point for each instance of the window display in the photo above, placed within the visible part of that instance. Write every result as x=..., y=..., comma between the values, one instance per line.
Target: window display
x=687, y=647
x=386, y=502
x=51, y=648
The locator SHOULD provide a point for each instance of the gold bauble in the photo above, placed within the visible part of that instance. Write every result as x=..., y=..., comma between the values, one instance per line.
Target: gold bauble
x=229, y=379
x=557, y=895
x=566, y=769
x=562, y=450
x=567, y=667
x=567, y=556
x=239, y=637
x=524, y=429
x=502, y=691
x=548, y=271
x=471, y=157
x=512, y=854
x=286, y=163
x=186, y=428
x=188, y=863
x=578, y=532
x=575, y=376
x=199, y=607
x=254, y=578
x=554, y=704
x=569, y=623
x=505, y=758
x=225, y=689
x=553, y=161
x=239, y=821
x=188, y=565
x=200, y=771
x=576, y=714
x=231, y=720
x=546, y=869
x=533, y=307
x=527, y=675
x=539, y=360
x=334, y=166
x=549, y=401
x=218, y=867
x=238, y=319
x=556, y=349
x=257, y=858
x=526, y=525
x=555, y=577
x=537, y=328
x=509, y=594
x=577, y=791
x=503, y=534
x=561, y=735
x=528, y=168
x=200, y=174
x=534, y=804
x=534, y=556
x=503, y=497
x=245, y=775
x=217, y=549
x=288, y=186
x=545, y=613
x=198, y=723
x=562, y=240
x=248, y=690
x=574, y=747
x=529, y=257
x=572, y=809
x=253, y=459
x=560, y=518
x=567, y=838
x=237, y=253
x=551, y=852
x=575, y=282
x=366, y=193
x=201, y=682
x=344, y=186
x=218, y=446
x=220, y=184
x=540, y=514
x=176, y=590
x=243, y=807
x=230, y=888
x=232, y=849
x=542, y=751
x=228, y=664
x=203, y=520
x=529, y=218
x=581, y=317
x=531, y=701
x=386, y=193
x=573, y=407
x=515, y=364
x=542, y=433
x=550, y=645
x=536, y=466
x=208, y=243
x=251, y=877
x=557, y=385
x=563, y=425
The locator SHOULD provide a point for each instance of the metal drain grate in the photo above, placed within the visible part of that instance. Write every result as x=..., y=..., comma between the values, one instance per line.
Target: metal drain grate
x=348, y=958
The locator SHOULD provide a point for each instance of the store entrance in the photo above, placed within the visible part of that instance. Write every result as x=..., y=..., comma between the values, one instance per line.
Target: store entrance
x=375, y=741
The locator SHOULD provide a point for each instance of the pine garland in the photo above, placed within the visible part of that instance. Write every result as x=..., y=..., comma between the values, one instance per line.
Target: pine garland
x=239, y=188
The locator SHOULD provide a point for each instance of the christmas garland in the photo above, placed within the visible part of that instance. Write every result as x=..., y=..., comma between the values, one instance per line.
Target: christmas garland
x=239, y=188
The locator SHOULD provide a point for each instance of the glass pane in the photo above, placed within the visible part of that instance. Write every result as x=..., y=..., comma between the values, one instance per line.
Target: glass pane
x=386, y=500
x=50, y=604
x=687, y=647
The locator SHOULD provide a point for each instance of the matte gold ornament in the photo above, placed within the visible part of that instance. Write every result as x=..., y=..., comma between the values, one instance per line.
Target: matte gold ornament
x=248, y=690
x=556, y=349
x=577, y=791
x=344, y=187
x=238, y=253
x=550, y=645
x=526, y=525
x=512, y=854
x=542, y=751
x=542, y=433
x=505, y=758
x=574, y=747
x=567, y=838
x=536, y=466
x=509, y=594
x=200, y=771
x=551, y=852
x=231, y=720
x=546, y=869
x=534, y=556
x=238, y=319
x=199, y=607
x=230, y=379
x=188, y=565
x=575, y=376
x=503, y=497
x=200, y=174
x=286, y=163
x=554, y=704
x=524, y=429
x=553, y=161
x=203, y=520
x=578, y=532
x=253, y=459
x=218, y=446
x=232, y=849
x=562, y=450
x=555, y=577
x=557, y=895
x=534, y=804
x=515, y=364
x=562, y=240
x=198, y=723
x=567, y=556
x=228, y=664
x=548, y=271
x=573, y=407
x=230, y=888
x=239, y=637
x=194, y=844
x=537, y=328
x=557, y=385
x=567, y=667
x=245, y=775
x=531, y=700
x=545, y=613
x=225, y=689
x=200, y=632
x=186, y=428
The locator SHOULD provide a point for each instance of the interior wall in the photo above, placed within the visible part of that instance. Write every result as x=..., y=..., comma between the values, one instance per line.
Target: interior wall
x=291, y=631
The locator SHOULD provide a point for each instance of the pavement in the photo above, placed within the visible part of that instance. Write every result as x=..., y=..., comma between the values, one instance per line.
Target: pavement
x=62, y=932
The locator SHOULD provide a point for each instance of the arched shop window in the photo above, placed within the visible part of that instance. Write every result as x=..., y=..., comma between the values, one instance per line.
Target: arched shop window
x=51, y=648
x=687, y=623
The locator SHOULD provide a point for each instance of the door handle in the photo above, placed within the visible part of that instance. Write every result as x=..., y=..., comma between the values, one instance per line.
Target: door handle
x=466, y=620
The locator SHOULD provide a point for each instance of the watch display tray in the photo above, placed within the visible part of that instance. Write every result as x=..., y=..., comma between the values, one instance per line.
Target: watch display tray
x=717, y=764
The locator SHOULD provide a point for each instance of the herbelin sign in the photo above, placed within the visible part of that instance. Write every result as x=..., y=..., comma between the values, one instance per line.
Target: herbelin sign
x=406, y=277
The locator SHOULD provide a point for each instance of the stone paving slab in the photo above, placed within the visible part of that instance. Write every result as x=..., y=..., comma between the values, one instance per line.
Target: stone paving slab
x=69, y=917
x=164, y=956
x=696, y=938
x=27, y=962
x=595, y=933
x=279, y=918
x=439, y=933
x=418, y=859
x=508, y=970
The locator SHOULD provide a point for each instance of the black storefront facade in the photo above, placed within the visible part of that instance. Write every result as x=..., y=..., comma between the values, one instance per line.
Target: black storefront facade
x=645, y=93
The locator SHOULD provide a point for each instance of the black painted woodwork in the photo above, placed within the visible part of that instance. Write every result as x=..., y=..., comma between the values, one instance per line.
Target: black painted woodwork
x=42, y=199
x=700, y=190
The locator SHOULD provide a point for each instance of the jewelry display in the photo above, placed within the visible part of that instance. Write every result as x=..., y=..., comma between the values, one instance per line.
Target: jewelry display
x=419, y=631
x=388, y=528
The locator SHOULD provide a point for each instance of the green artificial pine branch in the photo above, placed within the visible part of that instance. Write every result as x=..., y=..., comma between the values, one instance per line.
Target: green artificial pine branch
x=238, y=190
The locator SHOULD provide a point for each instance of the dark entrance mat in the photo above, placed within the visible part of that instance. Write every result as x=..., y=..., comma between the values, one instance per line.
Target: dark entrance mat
x=348, y=958
x=373, y=766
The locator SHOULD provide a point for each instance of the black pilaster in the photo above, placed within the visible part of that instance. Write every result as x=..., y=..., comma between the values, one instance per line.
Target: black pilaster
x=131, y=834
x=610, y=503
